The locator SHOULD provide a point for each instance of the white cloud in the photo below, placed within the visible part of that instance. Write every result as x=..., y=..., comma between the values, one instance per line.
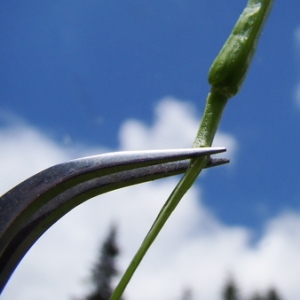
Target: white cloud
x=25, y=151
x=175, y=125
x=297, y=94
x=194, y=249
x=297, y=37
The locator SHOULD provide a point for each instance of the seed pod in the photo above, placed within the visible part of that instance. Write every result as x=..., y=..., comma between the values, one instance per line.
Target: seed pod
x=230, y=66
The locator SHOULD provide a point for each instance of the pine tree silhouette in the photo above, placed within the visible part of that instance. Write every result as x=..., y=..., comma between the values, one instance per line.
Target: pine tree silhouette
x=105, y=269
x=273, y=295
x=230, y=291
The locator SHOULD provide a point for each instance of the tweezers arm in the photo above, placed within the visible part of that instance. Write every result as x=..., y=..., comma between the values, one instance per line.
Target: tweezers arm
x=33, y=206
x=39, y=222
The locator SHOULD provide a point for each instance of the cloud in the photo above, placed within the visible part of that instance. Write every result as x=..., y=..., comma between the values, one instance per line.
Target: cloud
x=297, y=94
x=195, y=250
x=175, y=126
x=297, y=37
x=25, y=151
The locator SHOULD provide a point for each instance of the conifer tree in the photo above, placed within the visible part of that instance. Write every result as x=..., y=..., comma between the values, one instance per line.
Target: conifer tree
x=105, y=269
x=230, y=291
x=270, y=295
x=273, y=295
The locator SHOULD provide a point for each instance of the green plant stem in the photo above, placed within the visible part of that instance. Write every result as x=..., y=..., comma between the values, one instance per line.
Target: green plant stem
x=215, y=104
x=225, y=76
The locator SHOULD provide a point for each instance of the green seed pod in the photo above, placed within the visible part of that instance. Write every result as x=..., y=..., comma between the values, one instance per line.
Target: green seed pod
x=230, y=66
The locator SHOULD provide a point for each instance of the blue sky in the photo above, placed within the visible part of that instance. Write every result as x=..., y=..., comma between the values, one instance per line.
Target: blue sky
x=83, y=76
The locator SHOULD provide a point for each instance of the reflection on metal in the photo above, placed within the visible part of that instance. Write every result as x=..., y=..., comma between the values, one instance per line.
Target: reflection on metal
x=34, y=205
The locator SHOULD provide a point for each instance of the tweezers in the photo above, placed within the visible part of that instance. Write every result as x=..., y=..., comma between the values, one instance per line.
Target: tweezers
x=33, y=206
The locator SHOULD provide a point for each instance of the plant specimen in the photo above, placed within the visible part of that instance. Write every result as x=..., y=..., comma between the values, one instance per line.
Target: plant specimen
x=225, y=77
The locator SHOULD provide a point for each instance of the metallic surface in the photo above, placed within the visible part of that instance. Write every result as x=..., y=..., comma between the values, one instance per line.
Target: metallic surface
x=34, y=205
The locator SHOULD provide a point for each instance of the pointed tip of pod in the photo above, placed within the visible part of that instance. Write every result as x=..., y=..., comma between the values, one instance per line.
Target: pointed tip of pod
x=228, y=70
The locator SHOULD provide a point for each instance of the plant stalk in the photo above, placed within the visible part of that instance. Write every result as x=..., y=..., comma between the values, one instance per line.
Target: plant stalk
x=225, y=76
x=215, y=104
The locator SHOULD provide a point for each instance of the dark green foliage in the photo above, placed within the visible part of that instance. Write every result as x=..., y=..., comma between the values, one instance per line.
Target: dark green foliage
x=272, y=295
x=105, y=269
x=230, y=291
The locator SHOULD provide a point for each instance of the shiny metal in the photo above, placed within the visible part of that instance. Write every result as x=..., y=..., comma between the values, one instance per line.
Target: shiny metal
x=34, y=205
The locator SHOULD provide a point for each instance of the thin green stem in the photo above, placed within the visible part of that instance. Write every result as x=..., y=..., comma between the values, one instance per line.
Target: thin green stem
x=215, y=103
x=211, y=117
x=225, y=76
